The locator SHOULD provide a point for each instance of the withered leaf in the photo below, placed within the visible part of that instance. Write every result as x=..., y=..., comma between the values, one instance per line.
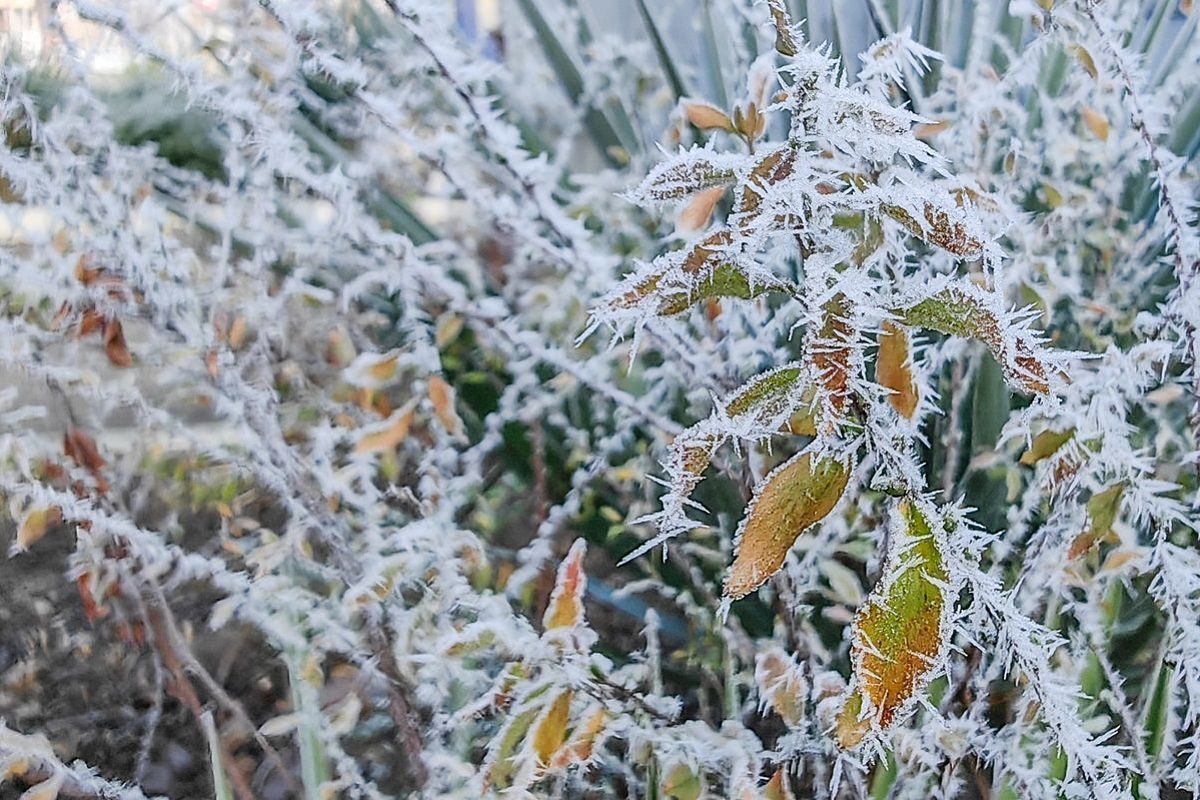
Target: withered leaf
x=940, y=227
x=392, y=432
x=583, y=740
x=81, y=448
x=441, y=394
x=790, y=500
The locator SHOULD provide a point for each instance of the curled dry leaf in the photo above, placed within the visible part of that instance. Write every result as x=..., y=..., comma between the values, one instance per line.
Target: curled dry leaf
x=899, y=632
x=893, y=369
x=565, y=609
x=790, y=500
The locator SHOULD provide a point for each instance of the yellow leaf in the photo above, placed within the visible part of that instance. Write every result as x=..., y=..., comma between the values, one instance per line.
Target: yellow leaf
x=698, y=211
x=681, y=782
x=790, y=500
x=1046, y=444
x=565, y=609
x=35, y=525
x=1085, y=60
x=583, y=741
x=441, y=394
x=551, y=729
x=384, y=369
x=449, y=326
x=893, y=369
x=1097, y=123
x=898, y=632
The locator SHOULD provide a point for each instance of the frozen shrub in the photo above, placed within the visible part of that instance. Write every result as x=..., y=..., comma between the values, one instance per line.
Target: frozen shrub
x=710, y=400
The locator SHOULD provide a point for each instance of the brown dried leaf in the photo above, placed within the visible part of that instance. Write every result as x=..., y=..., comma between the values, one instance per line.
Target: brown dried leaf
x=790, y=500
x=939, y=228
x=1096, y=122
x=81, y=448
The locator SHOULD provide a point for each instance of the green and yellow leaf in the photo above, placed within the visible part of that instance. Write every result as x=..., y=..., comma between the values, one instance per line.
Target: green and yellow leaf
x=899, y=632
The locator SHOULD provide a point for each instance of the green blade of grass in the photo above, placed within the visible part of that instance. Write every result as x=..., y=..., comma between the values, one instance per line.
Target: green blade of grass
x=660, y=48
x=598, y=126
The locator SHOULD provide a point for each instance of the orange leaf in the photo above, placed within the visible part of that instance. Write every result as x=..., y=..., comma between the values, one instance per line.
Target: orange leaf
x=114, y=344
x=81, y=448
x=790, y=500
x=706, y=116
x=1096, y=122
x=698, y=211
x=899, y=632
x=392, y=432
x=583, y=741
x=893, y=369
x=441, y=394
x=565, y=609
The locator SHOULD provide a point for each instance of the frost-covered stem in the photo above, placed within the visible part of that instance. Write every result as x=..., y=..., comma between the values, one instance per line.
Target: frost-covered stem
x=1185, y=271
x=481, y=117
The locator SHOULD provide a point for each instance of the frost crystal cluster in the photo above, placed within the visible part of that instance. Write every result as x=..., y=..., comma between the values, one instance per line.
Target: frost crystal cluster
x=733, y=399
